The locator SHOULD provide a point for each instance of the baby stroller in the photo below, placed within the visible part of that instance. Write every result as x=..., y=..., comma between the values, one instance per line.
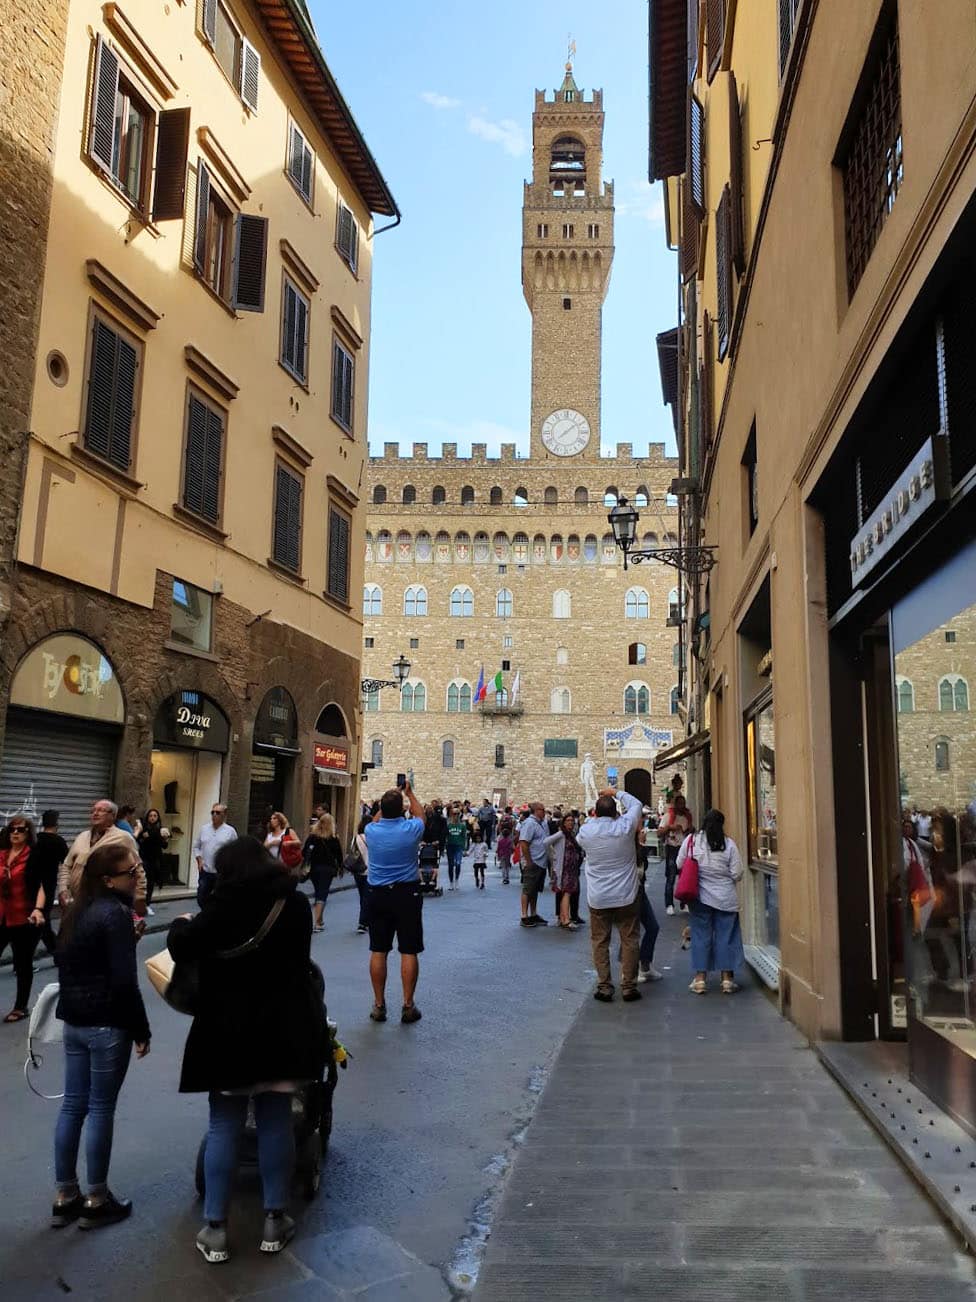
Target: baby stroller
x=429, y=862
x=311, y=1110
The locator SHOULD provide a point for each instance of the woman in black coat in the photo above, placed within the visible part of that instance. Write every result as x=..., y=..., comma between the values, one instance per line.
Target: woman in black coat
x=151, y=839
x=322, y=852
x=259, y=1029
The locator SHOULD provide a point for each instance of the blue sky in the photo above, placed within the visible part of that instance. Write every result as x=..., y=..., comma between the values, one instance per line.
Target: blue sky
x=443, y=91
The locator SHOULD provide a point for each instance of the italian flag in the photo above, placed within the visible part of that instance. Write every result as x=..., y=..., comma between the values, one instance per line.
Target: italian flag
x=498, y=682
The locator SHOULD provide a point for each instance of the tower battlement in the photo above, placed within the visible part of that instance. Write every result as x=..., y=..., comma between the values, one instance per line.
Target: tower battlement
x=508, y=455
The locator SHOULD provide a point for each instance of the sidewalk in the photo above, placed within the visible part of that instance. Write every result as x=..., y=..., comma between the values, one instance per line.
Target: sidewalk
x=694, y=1148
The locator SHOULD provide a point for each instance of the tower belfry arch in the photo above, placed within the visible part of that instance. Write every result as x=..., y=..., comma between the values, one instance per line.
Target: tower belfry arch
x=567, y=251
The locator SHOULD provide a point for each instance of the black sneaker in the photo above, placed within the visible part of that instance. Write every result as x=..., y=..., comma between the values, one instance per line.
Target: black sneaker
x=527, y=922
x=64, y=1213
x=540, y=922
x=603, y=996
x=108, y=1212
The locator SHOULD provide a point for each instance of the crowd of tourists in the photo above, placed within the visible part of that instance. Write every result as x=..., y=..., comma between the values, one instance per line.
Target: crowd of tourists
x=259, y=1031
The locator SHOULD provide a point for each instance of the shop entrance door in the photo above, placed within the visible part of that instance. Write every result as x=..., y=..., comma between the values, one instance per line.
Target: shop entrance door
x=638, y=783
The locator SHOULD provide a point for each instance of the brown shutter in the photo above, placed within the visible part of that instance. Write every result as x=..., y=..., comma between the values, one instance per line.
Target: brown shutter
x=693, y=6
x=715, y=19
x=286, y=541
x=110, y=413
x=738, y=250
x=105, y=90
x=696, y=154
x=339, y=530
x=786, y=15
x=208, y=20
x=343, y=371
x=706, y=415
x=250, y=75
x=203, y=210
x=172, y=146
x=250, y=259
x=724, y=269
x=690, y=234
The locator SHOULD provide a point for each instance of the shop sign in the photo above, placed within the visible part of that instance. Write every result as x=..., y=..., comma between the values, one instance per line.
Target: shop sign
x=276, y=723
x=924, y=482
x=192, y=720
x=327, y=755
x=67, y=674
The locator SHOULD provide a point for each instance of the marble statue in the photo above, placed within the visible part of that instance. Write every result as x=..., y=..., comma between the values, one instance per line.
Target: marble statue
x=588, y=779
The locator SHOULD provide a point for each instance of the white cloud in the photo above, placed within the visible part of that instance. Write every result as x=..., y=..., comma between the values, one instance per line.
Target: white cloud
x=438, y=101
x=642, y=200
x=505, y=132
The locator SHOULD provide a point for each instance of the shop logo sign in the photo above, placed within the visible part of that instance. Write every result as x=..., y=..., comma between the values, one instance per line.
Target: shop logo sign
x=330, y=757
x=77, y=676
x=924, y=482
x=192, y=725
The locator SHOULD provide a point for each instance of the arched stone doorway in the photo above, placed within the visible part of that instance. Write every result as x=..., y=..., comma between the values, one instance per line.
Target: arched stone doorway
x=638, y=783
x=274, y=750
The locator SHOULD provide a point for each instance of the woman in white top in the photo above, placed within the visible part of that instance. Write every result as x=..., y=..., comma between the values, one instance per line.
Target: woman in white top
x=716, y=938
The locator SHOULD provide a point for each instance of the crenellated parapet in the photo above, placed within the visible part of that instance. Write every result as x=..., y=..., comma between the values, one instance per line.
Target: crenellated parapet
x=509, y=453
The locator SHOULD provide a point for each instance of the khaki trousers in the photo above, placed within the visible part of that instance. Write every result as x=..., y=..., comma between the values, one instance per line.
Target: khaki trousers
x=627, y=921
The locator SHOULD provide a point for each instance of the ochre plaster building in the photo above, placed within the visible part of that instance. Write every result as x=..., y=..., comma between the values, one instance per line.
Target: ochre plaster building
x=508, y=564
x=819, y=160
x=191, y=530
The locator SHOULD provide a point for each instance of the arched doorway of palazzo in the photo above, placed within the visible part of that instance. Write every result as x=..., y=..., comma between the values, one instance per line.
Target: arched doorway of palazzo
x=638, y=783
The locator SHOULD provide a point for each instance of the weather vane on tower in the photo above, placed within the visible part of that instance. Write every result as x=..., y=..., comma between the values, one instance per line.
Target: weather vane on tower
x=570, y=51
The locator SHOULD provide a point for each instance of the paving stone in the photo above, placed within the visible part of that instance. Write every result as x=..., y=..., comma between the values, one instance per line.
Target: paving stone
x=354, y=1258
x=423, y=1285
x=307, y=1290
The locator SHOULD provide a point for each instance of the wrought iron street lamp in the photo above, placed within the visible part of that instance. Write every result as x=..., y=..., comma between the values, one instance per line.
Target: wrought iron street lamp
x=401, y=671
x=624, y=518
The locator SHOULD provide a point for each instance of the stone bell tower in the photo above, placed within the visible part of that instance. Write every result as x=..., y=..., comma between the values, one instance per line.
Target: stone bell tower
x=567, y=249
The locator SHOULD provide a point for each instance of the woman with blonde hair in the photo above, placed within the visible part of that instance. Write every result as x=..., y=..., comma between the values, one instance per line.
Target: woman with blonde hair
x=322, y=852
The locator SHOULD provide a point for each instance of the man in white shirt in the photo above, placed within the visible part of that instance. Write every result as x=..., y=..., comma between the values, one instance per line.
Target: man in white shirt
x=612, y=889
x=210, y=838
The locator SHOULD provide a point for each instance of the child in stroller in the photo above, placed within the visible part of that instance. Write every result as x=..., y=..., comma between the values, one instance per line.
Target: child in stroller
x=430, y=854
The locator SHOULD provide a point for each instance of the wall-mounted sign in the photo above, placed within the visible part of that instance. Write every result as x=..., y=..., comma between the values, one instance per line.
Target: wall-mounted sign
x=191, y=720
x=560, y=748
x=923, y=482
x=276, y=724
x=68, y=675
x=327, y=755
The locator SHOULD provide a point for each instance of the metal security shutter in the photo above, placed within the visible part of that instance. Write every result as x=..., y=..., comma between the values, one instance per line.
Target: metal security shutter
x=55, y=764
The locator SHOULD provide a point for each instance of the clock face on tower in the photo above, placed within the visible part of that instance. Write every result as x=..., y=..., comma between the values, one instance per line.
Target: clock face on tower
x=565, y=432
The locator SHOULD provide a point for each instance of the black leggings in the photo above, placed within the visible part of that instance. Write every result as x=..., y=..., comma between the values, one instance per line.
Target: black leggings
x=22, y=941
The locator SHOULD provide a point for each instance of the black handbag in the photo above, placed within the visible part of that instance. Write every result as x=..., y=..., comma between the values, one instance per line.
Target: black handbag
x=183, y=991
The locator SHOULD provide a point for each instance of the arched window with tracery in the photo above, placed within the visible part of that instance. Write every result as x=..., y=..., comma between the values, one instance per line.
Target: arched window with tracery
x=462, y=602
x=637, y=698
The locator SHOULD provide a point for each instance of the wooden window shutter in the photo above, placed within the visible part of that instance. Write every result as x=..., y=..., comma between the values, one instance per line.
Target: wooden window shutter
x=203, y=209
x=715, y=19
x=250, y=259
x=339, y=531
x=347, y=235
x=724, y=270
x=250, y=75
x=343, y=370
x=785, y=32
x=300, y=162
x=111, y=395
x=690, y=234
x=705, y=414
x=105, y=90
x=202, y=460
x=696, y=155
x=286, y=543
x=172, y=149
x=693, y=7
x=738, y=233
x=294, y=350
x=208, y=20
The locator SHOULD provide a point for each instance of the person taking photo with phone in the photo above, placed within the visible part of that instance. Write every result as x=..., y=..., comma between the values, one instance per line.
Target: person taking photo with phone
x=395, y=902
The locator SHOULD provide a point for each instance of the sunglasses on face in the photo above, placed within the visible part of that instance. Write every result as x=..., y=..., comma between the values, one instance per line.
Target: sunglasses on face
x=22, y=830
x=127, y=872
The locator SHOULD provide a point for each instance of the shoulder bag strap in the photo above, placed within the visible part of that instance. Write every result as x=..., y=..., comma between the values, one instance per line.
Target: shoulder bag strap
x=258, y=936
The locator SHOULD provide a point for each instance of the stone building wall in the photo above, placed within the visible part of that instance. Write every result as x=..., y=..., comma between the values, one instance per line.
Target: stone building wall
x=924, y=664
x=31, y=61
x=593, y=641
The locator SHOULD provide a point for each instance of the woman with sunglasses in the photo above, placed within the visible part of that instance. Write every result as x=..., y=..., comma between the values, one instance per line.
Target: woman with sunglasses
x=17, y=902
x=104, y=1016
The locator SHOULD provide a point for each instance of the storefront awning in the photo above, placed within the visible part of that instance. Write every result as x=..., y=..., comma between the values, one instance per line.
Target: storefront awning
x=682, y=750
x=329, y=778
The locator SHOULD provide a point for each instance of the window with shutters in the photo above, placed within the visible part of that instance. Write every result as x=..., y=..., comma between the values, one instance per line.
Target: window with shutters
x=340, y=535
x=203, y=457
x=301, y=163
x=343, y=381
x=121, y=128
x=723, y=271
x=239, y=60
x=114, y=364
x=294, y=330
x=870, y=154
x=286, y=537
x=230, y=250
x=691, y=239
x=696, y=155
x=737, y=229
x=347, y=236
x=714, y=34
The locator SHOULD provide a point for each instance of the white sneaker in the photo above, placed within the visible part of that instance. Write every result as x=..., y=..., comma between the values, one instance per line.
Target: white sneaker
x=670, y=910
x=642, y=976
x=653, y=974
x=150, y=911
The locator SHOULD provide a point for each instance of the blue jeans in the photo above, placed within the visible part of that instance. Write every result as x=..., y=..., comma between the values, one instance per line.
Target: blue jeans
x=205, y=884
x=716, y=939
x=96, y=1059
x=276, y=1149
x=650, y=928
x=455, y=853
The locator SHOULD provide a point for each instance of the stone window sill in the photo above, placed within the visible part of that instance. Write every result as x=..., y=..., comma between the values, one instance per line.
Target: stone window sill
x=285, y=572
x=185, y=650
x=92, y=461
x=212, y=531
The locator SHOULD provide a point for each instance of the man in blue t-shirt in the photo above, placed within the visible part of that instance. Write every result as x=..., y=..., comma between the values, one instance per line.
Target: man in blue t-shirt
x=395, y=901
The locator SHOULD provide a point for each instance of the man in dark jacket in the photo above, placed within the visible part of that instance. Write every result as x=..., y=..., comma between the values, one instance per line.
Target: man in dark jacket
x=49, y=853
x=487, y=818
